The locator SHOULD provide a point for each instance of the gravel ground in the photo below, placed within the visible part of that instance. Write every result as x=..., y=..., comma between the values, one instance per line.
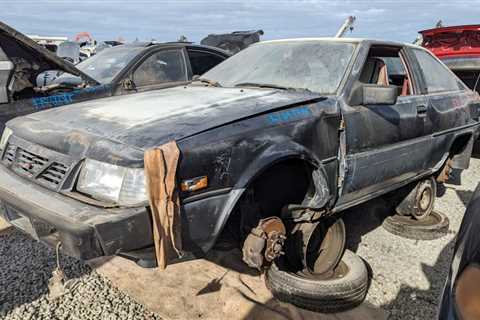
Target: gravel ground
x=407, y=275
x=26, y=266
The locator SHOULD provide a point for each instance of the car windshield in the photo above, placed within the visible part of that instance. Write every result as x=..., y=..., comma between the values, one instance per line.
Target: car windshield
x=105, y=65
x=315, y=65
x=69, y=49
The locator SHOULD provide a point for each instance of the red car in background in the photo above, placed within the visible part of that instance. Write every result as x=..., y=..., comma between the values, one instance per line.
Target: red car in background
x=459, y=48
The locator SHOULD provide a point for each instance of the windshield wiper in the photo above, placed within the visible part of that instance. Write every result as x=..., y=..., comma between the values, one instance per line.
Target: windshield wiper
x=261, y=85
x=272, y=86
x=211, y=83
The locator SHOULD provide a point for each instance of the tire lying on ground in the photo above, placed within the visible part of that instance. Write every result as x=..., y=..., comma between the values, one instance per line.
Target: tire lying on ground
x=344, y=290
x=434, y=226
x=419, y=202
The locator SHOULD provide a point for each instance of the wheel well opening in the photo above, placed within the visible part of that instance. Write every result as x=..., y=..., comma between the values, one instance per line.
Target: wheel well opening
x=286, y=182
x=459, y=144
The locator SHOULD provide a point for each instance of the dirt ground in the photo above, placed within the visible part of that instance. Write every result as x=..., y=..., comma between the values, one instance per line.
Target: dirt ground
x=4, y=225
x=219, y=287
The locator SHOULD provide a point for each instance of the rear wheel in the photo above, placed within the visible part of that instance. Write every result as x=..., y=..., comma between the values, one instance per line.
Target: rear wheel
x=419, y=202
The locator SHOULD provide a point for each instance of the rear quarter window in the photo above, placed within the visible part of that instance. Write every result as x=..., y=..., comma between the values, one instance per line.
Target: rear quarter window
x=438, y=78
x=202, y=61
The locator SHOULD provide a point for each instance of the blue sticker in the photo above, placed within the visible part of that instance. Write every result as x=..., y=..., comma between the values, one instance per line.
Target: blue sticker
x=56, y=100
x=63, y=98
x=289, y=115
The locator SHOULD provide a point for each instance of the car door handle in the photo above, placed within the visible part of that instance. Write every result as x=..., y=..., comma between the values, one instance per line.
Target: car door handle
x=422, y=110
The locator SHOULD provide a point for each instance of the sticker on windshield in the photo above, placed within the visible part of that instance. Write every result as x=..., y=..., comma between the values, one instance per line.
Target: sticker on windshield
x=289, y=115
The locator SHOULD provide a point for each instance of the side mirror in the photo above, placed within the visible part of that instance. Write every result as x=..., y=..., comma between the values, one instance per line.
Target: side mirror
x=128, y=85
x=69, y=59
x=375, y=94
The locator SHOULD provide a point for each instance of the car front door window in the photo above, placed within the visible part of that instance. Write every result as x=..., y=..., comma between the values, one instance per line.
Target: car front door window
x=161, y=67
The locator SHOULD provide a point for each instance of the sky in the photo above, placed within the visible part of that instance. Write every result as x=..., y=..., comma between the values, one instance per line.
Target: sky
x=167, y=20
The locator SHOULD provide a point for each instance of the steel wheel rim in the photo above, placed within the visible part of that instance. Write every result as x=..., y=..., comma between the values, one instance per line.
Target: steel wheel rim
x=324, y=244
x=425, y=199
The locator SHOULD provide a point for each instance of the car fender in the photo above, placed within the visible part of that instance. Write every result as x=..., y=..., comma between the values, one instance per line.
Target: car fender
x=269, y=157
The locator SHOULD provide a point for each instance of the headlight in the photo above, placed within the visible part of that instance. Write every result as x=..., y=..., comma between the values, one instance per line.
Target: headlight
x=111, y=183
x=7, y=132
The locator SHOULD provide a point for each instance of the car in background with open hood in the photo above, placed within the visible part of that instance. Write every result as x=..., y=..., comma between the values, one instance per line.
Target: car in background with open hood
x=33, y=78
x=232, y=42
x=459, y=48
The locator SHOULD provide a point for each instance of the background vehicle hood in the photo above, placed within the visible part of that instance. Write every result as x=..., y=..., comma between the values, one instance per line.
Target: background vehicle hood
x=17, y=46
x=146, y=120
x=453, y=41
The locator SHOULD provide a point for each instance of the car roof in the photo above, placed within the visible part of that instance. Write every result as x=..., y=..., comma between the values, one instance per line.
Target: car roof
x=151, y=44
x=345, y=40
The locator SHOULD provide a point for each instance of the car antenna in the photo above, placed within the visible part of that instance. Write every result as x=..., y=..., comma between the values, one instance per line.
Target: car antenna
x=476, y=83
x=346, y=26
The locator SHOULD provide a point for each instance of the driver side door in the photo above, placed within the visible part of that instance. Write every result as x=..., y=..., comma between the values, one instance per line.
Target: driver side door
x=156, y=70
x=386, y=144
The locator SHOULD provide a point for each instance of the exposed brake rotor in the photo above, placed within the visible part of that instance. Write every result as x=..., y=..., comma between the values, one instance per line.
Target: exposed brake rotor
x=264, y=243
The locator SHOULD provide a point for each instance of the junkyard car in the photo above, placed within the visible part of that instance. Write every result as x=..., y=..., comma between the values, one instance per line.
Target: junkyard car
x=29, y=81
x=232, y=42
x=457, y=47
x=298, y=130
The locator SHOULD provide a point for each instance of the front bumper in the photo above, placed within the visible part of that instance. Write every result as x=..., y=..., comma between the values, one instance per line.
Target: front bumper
x=85, y=231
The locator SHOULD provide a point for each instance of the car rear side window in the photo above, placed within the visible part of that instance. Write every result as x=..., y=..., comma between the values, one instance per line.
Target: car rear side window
x=202, y=61
x=160, y=67
x=437, y=77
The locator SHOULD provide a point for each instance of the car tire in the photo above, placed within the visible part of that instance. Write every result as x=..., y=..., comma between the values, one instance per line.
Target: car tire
x=420, y=200
x=337, y=293
x=434, y=226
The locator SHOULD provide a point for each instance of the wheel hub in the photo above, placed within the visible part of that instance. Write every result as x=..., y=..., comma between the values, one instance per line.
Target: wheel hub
x=318, y=247
x=425, y=199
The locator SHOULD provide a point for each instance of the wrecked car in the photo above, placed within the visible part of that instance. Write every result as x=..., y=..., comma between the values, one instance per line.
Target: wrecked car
x=33, y=78
x=457, y=47
x=265, y=151
x=69, y=51
x=232, y=42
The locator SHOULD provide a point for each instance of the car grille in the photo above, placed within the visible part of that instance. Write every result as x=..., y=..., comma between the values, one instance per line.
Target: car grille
x=34, y=166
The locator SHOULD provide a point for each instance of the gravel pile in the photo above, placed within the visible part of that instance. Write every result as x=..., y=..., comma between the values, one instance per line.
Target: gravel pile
x=407, y=275
x=26, y=266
